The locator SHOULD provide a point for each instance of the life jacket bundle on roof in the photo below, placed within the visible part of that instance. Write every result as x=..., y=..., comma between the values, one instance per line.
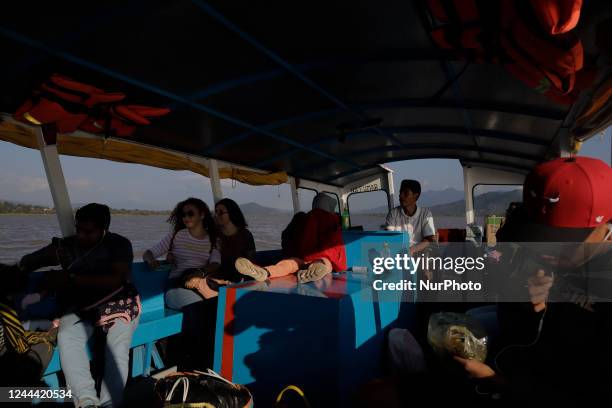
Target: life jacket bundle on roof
x=532, y=39
x=63, y=102
x=121, y=120
x=72, y=105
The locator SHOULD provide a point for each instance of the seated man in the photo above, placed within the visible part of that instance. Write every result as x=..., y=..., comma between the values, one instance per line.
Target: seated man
x=417, y=221
x=95, y=295
x=317, y=247
x=555, y=346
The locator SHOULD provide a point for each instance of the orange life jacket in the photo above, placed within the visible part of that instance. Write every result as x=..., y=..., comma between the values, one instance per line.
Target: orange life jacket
x=72, y=105
x=63, y=102
x=532, y=39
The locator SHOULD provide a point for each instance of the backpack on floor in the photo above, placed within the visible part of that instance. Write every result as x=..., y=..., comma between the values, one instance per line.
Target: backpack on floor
x=201, y=389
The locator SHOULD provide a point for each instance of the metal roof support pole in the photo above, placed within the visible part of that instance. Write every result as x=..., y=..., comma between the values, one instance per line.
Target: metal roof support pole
x=215, y=181
x=57, y=184
x=294, y=195
x=344, y=202
x=563, y=143
x=390, y=191
x=468, y=185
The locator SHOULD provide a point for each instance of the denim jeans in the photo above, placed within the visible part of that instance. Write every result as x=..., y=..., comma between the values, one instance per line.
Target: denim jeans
x=177, y=298
x=406, y=356
x=72, y=339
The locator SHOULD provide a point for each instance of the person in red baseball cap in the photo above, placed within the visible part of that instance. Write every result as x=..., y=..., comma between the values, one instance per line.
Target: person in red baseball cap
x=557, y=346
x=566, y=200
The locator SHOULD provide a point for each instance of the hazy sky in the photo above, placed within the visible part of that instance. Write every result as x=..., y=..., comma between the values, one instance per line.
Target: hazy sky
x=22, y=178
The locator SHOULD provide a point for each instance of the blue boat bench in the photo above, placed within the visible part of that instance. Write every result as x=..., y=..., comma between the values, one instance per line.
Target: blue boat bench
x=156, y=322
x=327, y=340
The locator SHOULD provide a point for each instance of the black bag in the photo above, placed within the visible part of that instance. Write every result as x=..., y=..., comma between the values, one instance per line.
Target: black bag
x=201, y=389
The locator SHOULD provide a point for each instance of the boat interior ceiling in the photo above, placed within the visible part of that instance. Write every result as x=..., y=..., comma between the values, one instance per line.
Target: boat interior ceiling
x=322, y=91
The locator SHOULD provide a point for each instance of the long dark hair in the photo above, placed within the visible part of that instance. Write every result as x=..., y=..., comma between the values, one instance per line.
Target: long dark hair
x=233, y=211
x=176, y=218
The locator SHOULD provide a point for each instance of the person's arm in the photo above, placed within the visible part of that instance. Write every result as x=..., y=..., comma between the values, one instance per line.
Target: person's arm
x=150, y=255
x=214, y=262
x=482, y=372
x=150, y=259
x=389, y=226
x=46, y=256
x=250, y=249
x=429, y=235
x=421, y=246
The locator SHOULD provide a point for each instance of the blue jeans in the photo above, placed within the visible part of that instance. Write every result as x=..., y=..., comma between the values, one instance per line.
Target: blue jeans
x=178, y=298
x=72, y=340
x=405, y=353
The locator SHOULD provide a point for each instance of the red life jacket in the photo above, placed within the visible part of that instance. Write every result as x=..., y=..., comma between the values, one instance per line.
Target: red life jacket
x=63, y=102
x=557, y=16
x=533, y=40
x=548, y=64
x=321, y=237
x=72, y=105
x=121, y=120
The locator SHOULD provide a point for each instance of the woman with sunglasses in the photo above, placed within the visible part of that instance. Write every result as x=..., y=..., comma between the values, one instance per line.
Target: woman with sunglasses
x=235, y=241
x=191, y=245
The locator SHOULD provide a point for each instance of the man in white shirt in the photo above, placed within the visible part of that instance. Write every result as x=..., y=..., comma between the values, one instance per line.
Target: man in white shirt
x=417, y=221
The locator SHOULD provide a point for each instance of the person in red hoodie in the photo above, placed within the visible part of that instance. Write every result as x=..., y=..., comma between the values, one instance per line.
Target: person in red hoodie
x=317, y=247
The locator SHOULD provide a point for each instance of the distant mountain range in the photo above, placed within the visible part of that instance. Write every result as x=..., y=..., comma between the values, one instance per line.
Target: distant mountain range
x=447, y=202
x=254, y=208
x=428, y=199
x=10, y=207
x=495, y=202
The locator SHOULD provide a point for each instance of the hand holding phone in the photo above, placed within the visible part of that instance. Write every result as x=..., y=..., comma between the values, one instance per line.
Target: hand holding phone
x=539, y=288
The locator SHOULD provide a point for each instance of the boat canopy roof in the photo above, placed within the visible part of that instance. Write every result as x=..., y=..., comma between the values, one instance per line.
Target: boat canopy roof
x=324, y=92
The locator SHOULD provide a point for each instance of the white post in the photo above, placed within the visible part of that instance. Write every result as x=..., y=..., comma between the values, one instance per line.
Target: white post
x=391, y=190
x=294, y=195
x=469, y=198
x=564, y=143
x=215, y=181
x=343, y=201
x=57, y=184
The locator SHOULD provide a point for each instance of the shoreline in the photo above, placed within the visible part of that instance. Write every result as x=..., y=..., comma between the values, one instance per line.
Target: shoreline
x=112, y=213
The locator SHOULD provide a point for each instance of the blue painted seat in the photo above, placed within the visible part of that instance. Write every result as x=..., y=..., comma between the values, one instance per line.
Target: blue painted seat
x=156, y=322
x=326, y=337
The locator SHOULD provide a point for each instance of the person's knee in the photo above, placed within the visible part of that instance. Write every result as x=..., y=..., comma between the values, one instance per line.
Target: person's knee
x=178, y=298
x=396, y=337
x=69, y=330
x=120, y=335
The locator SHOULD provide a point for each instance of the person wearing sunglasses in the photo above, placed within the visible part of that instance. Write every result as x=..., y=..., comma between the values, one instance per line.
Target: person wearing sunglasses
x=235, y=238
x=235, y=241
x=191, y=245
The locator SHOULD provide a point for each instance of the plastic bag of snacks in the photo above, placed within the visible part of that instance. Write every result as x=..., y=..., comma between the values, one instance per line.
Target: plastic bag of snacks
x=457, y=334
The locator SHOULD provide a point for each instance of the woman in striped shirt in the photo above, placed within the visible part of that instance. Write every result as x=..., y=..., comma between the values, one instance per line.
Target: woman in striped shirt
x=192, y=244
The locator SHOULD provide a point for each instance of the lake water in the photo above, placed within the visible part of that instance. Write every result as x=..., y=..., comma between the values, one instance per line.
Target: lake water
x=22, y=234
